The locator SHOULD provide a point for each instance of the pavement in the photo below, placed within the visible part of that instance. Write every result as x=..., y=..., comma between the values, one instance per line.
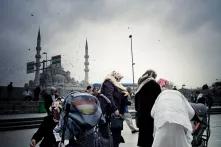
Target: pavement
x=214, y=140
x=18, y=116
x=21, y=138
x=130, y=139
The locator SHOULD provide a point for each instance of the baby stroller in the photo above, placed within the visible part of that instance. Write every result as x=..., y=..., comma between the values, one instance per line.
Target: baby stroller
x=201, y=125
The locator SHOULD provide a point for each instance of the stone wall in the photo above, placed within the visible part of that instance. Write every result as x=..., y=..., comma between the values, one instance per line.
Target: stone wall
x=16, y=93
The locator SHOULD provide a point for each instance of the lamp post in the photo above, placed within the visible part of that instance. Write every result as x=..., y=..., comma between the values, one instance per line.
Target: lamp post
x=46, y=59
x=132, y=59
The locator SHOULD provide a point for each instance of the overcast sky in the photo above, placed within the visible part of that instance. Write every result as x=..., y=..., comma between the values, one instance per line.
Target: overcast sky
x=179, y=39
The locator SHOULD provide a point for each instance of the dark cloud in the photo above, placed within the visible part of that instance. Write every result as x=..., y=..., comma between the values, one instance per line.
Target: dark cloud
x=188, y=16
x=20, y=20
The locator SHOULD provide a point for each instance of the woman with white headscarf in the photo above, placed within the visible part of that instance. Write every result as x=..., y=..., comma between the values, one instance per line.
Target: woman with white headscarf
x=172, y=114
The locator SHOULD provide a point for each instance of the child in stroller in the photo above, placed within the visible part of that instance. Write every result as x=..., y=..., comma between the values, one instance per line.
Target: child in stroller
x=201, y=127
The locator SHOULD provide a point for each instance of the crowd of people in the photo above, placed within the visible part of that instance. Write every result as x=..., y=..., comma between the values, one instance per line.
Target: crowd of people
x=163, y=115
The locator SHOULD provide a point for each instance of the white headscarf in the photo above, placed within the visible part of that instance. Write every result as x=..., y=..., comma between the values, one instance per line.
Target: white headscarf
x=171, y=106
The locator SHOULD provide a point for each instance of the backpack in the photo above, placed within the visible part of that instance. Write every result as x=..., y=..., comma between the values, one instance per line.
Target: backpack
x=81, y=115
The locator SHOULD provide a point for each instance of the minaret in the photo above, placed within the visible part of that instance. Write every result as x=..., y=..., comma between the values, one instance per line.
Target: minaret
x=86, y=63
x=38, y=57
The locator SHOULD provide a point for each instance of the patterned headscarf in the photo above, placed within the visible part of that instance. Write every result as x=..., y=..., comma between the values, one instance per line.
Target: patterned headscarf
x=115, y=77
x=148, y=74
x=146, y=77
x=165, y=84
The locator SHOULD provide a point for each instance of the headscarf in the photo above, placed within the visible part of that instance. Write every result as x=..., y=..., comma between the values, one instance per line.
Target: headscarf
x=146, y=77
x=114, y=77
x=172, y=106
x=55, y=109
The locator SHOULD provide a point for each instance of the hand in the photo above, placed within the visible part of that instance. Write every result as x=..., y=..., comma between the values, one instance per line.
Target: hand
x=33, y=143
x=126, y=93
x=117, y=113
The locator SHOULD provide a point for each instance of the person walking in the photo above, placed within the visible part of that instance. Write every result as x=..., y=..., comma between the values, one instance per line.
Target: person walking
x=37, y=91
x=89, y=89
x=116, y=93
x=78, y=125
x=104, y=128
x=172, y=114
x=9, y=91
x=45, y=132
x=27, y=94
x=49, y=98
x=145, y=96
x=127, y=116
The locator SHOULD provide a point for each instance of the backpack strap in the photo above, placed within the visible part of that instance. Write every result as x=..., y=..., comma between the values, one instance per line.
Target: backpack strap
x=105, y=98
x=65, y=122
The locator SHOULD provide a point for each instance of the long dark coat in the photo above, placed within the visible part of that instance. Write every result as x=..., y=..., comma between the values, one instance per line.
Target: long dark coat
x=45, y=132
x=118, y=102
x=144, y=100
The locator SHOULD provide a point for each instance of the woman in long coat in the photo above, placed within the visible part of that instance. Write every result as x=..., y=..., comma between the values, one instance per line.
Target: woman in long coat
x=146, y=94
x=117, y=94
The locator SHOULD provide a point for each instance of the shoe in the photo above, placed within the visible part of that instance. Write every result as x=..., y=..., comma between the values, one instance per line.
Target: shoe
x=134, y=131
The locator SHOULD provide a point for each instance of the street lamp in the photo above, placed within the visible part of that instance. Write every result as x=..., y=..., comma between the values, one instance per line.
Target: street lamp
x=46, y=58
x=132, y=60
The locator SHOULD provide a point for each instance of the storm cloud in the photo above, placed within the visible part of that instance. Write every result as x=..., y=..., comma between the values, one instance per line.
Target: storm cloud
x=180, y=39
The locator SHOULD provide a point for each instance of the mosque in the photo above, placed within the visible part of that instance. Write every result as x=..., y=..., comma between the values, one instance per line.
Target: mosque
x=54, y=74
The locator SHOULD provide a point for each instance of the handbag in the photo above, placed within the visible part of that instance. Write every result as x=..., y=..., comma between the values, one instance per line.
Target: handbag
x=117, y=122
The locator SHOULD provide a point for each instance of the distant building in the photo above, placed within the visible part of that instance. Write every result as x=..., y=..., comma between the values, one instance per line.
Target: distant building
x=52, y=75
x=56, y=76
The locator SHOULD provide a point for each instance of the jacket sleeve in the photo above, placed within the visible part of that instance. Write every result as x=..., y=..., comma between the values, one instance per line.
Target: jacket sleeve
x=108, y=90
x=40, y=132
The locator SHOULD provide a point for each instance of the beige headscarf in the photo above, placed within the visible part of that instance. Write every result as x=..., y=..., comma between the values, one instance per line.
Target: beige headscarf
x=115, y=77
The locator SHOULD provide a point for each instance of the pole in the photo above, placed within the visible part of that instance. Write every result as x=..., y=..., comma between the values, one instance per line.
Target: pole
x=43, y=66
x=132, y=60
x=46, y=60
